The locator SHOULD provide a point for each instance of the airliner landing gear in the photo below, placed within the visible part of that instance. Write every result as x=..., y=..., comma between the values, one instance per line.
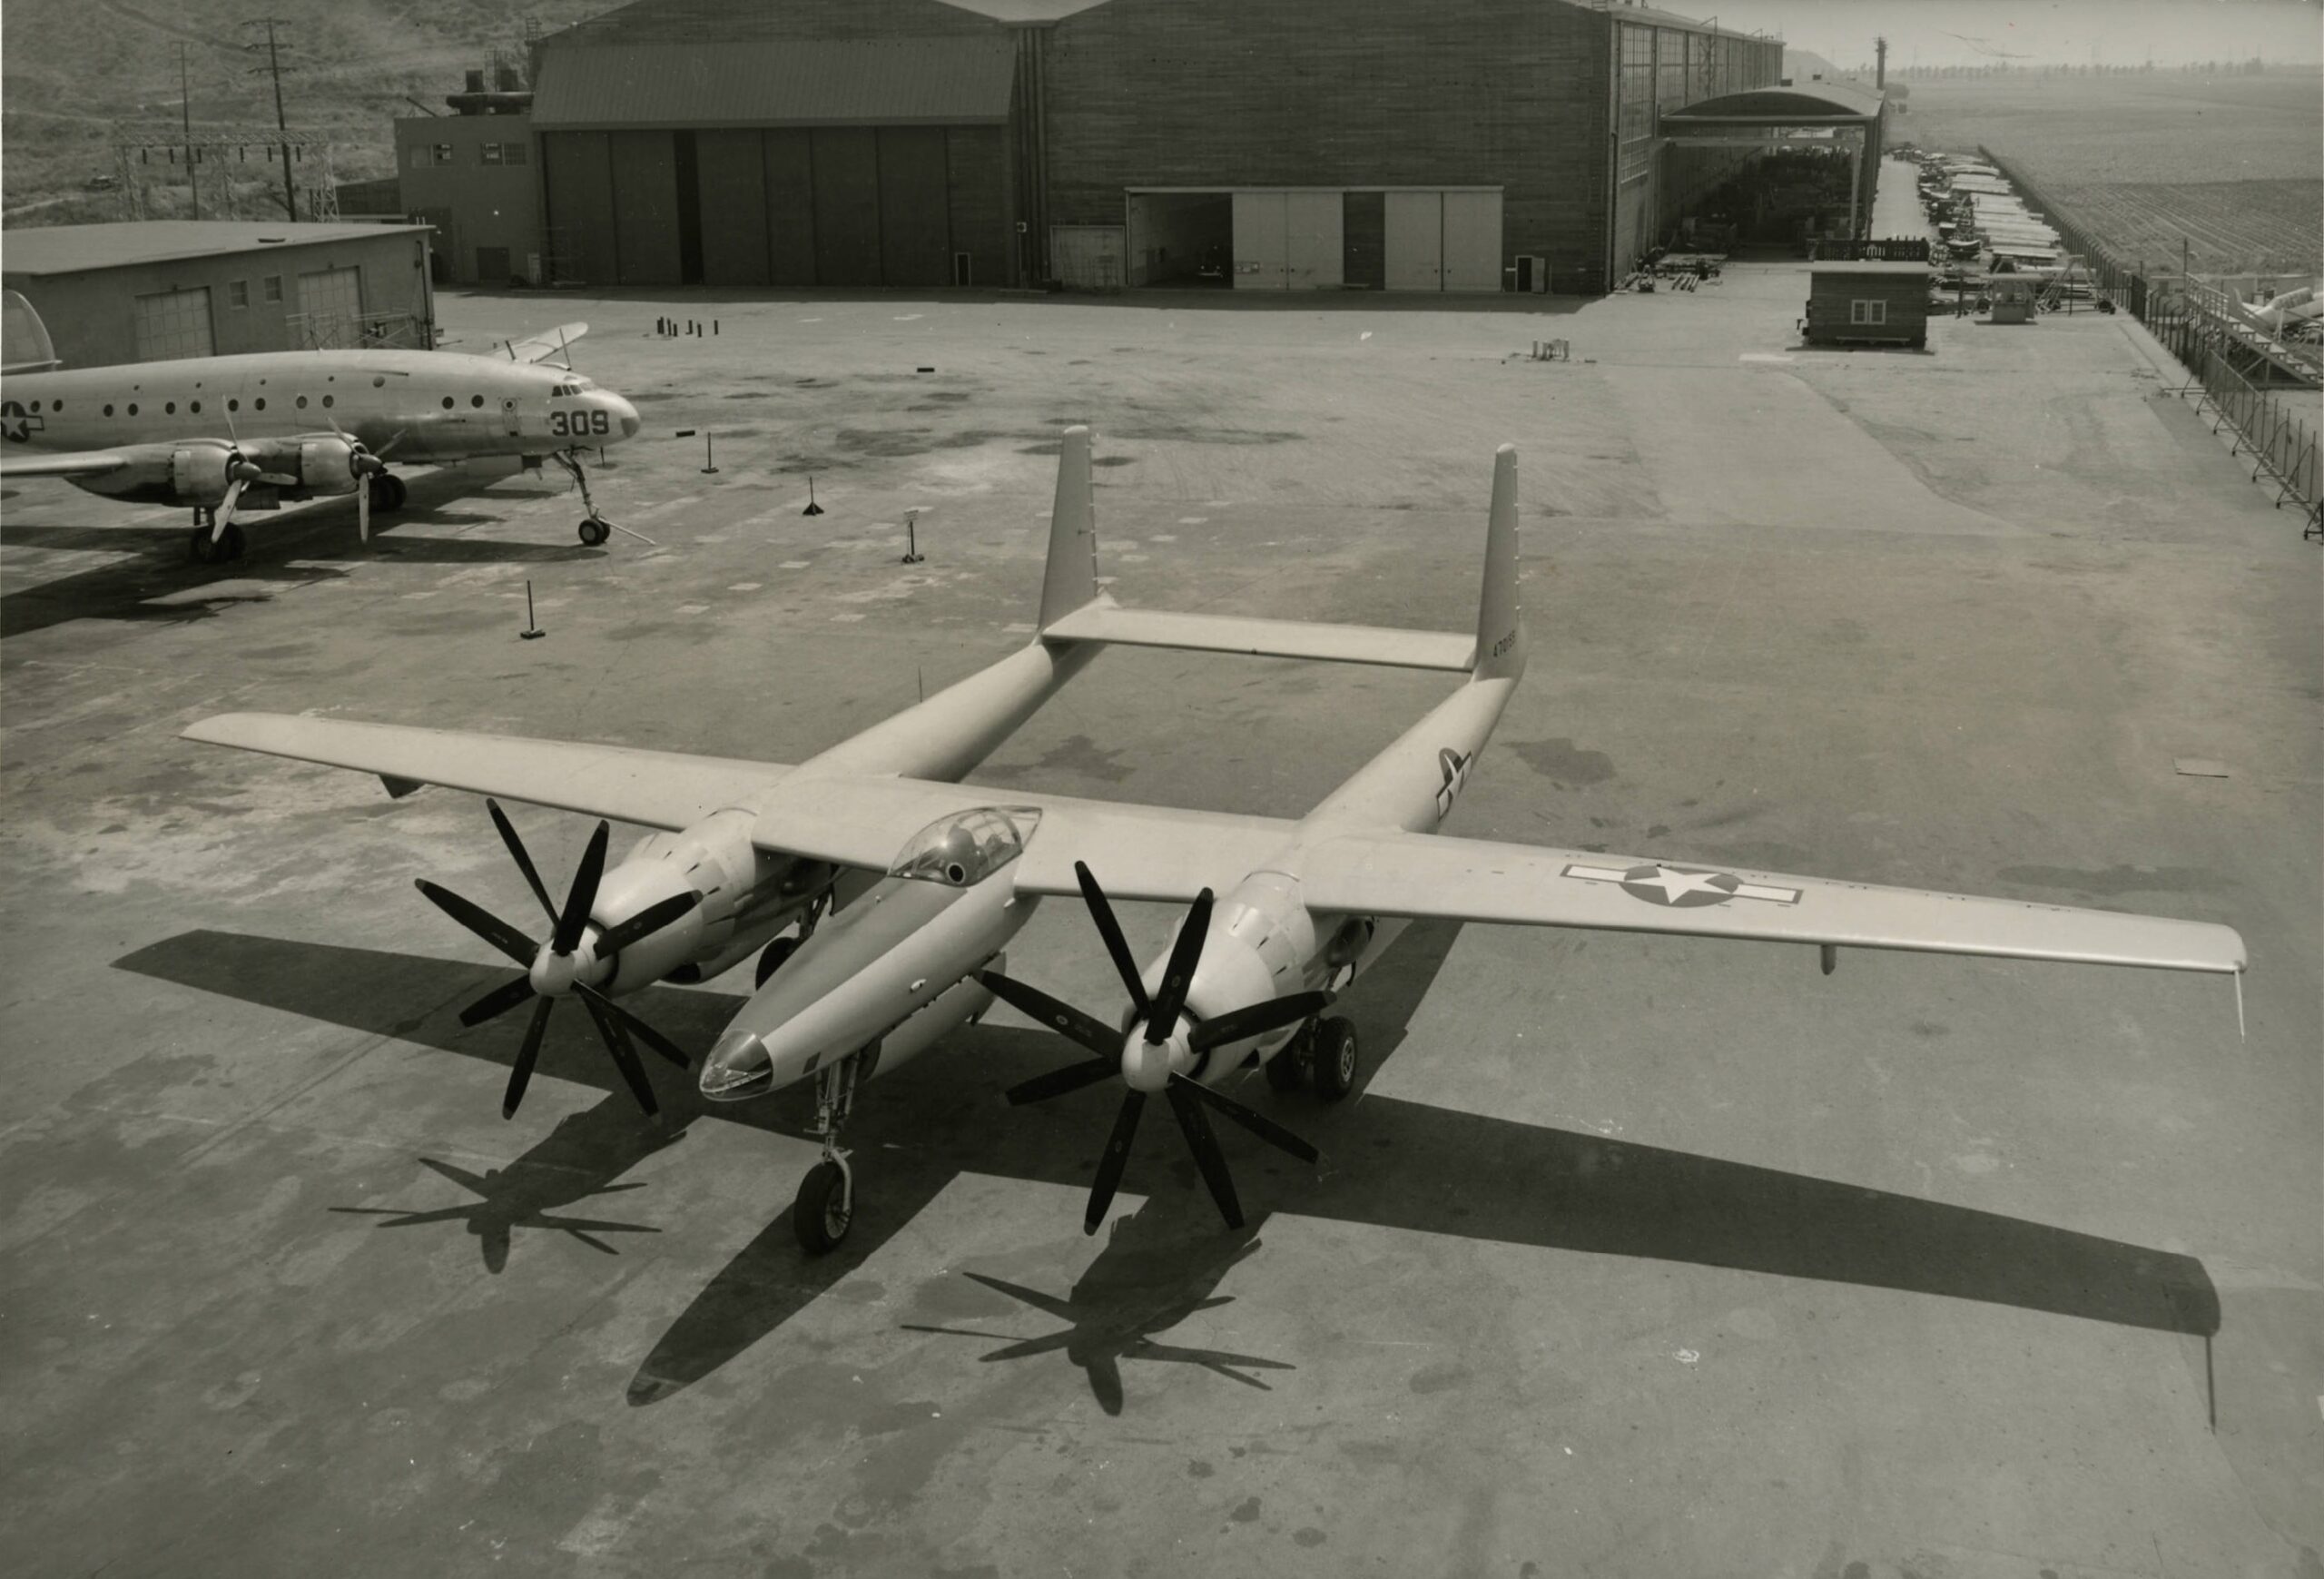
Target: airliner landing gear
x=595, y=528
x=388, y=490
x=1324, y=1050
x=825, y=1205
x=228, y=545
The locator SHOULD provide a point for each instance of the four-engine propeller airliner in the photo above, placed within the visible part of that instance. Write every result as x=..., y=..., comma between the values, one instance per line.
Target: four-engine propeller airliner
x=222, y=434
x=920, y=883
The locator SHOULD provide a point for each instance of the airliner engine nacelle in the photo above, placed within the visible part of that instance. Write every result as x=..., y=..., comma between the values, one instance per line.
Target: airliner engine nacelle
x=328, y=465
x=200, y=474
x=1260, y=936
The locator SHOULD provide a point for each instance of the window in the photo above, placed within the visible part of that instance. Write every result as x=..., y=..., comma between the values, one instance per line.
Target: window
x=195, y=408
x=490, y=150
x=108, y=410
x=238, y=294
x=443, y=153
x=513, y=152
x=303, y=402
x=1874, y=312
x=476, y=400
x=233, y=405
x=271, y=287
x=418, y=159
x=132, y=408
x=327, y=399
x=259, y=403
x=169, y=408
x=448, y=402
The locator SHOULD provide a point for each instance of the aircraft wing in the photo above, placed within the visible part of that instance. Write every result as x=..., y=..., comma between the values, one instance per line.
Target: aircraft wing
x=546, y=344
x=80, y=463
x=1428, y=875
x=655, y=789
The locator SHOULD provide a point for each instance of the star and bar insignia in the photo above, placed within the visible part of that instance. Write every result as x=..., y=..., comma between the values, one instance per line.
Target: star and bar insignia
x=1681, y=887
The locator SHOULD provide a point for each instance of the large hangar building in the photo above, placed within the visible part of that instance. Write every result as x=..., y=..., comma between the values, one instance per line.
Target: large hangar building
x=1264, y=145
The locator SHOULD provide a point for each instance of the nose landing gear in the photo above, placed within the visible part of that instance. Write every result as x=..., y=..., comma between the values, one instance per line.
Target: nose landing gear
x=824, y=1208
x=594, y=529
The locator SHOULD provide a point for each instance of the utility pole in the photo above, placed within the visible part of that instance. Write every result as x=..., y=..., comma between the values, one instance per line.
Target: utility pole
x=275, y=65
x=185, y=124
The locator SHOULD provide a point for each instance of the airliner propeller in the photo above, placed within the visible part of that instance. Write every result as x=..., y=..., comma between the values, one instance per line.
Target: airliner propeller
x=1141, y=1054
x=553, y=968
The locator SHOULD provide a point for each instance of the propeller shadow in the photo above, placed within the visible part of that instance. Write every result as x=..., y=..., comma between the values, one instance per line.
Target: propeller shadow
x=1157, y=1269
x=579, y=1160
x=1388, y=1162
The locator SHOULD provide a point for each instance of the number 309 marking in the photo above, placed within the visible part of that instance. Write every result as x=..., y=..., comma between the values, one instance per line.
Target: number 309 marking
x=577, y=424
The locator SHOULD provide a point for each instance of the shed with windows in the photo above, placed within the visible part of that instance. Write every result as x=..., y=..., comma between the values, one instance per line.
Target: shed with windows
x=1868, y=303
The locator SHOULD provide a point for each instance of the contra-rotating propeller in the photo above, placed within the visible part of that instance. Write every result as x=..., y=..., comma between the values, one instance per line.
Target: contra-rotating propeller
x=1141, y=1054
x=552, y=968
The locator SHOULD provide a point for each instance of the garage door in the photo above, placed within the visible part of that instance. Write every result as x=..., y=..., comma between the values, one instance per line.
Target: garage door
x=1262, y=242
x=332, y=302
x=1415, y=240
x=1472, y=241
x=173, y=324
x=1312, y=239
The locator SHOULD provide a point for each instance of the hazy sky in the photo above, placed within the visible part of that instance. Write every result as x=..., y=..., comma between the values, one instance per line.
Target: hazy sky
x=2124, y=32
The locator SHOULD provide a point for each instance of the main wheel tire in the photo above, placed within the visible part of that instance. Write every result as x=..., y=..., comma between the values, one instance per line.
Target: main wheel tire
x=388, y=491
x=231, y=542
x=1335, y=1059
x=1286, y=1071
x=821, y=1214
x=594, y=531
x=772, y=958
x=198, y=546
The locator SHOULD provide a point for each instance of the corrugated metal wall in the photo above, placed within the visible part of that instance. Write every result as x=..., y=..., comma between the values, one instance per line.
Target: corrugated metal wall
x=828, y=205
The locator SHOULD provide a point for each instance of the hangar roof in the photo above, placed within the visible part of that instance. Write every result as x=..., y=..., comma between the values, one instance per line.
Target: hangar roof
x=772, y=81
x=76, y=249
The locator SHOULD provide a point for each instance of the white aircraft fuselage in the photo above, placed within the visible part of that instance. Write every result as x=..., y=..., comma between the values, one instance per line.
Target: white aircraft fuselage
x=296, y=414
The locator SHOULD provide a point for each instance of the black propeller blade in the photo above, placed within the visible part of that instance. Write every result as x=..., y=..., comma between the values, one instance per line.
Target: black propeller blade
x=1187, y=1098
x=616, y=1025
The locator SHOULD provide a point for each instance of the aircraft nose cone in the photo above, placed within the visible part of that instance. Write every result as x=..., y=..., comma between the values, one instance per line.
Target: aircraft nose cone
x=626, y=413
x=739, y=1066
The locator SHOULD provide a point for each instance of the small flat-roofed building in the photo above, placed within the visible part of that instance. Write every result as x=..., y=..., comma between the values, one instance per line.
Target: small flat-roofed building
x=1868, y=303
x=471, y=176
x=156, y=290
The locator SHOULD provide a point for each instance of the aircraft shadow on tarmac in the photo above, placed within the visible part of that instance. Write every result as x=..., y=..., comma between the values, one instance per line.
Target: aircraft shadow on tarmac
x=1388, y=1161
x=578, y=1161
x=154, y=582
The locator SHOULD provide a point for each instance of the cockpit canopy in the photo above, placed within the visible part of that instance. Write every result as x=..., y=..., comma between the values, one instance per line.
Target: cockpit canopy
x=967, y=847
x=573, y=386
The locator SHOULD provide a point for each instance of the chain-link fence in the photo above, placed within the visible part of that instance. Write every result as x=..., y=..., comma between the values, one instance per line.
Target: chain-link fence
x=2196, y=324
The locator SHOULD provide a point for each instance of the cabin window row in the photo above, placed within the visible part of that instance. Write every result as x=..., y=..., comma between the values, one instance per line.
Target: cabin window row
x=170, y=407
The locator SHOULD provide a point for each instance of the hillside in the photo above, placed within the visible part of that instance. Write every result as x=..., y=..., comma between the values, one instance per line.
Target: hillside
x=78, y=70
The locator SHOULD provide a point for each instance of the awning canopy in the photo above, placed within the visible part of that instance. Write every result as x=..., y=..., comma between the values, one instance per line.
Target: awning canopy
x=776, y=83
x=1815, y=104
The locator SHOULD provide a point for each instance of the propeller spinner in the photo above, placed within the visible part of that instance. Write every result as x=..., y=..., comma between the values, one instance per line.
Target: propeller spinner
x=554, y=968
x=1147, y=1053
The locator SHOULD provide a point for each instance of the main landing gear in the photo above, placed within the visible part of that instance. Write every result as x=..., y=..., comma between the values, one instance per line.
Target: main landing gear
x=825, y=1207
x=1324, y=1050
x=776, y=954
x=388, y=490
x=206, y=548
x=595, y=528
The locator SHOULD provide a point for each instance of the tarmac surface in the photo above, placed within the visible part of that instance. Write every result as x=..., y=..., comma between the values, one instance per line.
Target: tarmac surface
x=1634, y=1255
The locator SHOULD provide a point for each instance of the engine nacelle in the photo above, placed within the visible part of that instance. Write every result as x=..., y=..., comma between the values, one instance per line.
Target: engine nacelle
x=1259, y=946
x=746, y=894
x=200, y=474
x=327, y=466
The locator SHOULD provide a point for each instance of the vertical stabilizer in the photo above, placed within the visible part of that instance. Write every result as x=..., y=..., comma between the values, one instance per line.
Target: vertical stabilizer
x=1071, y=581
x=1501, y=626
x=24, y=345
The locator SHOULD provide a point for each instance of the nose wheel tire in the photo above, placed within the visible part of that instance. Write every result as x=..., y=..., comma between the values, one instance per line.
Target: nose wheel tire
x=823, y=1212
x=1336, y=1062
x=594, y=530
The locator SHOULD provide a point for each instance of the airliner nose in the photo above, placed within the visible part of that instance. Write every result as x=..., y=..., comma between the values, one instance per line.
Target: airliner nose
x=627, y=413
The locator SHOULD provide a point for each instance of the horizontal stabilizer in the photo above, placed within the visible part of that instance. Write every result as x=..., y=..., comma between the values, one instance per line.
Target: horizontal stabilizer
x=1266, y=639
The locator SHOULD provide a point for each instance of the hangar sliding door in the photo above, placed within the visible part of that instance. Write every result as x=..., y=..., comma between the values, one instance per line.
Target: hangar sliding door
x=731, y=177
x=332, y=302
x=173, y=324
x=1312, y=239
x=579, y=180
x=847, y=205
x=790, y=157
x=1262, y=242
x=1415, y=240
x=1472, y=241
x=915, y=238
x=645, y=207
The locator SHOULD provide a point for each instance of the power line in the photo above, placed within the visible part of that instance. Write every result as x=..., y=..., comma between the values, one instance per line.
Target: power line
x=282, y=125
